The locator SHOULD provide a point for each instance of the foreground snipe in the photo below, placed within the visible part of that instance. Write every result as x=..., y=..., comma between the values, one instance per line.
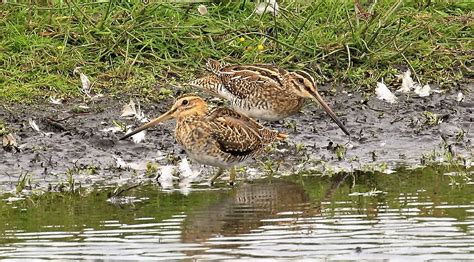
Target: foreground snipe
x=262, y=91
x=219, y=137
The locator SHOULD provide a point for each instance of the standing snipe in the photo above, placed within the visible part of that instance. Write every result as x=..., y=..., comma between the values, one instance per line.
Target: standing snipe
x=219, y=137
x=262, y=91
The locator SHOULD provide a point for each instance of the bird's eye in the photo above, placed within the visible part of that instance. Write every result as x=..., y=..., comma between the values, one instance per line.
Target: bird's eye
x=300, y=80
x=185, y=102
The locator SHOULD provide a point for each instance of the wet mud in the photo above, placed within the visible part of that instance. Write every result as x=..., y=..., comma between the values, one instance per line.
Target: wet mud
x=72, y=140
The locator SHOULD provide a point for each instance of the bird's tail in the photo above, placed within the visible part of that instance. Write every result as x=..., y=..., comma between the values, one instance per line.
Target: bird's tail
x=281, y=136
x=270, y=136
x=213, y=65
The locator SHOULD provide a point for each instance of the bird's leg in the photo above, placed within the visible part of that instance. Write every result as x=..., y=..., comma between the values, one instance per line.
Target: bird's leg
x=218, y=174
x=233, y=173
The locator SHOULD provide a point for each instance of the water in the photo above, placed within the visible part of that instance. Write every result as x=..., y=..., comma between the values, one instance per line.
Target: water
x=423, y=214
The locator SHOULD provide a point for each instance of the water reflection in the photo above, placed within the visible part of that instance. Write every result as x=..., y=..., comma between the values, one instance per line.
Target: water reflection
x=250, y=205
x=414, y=215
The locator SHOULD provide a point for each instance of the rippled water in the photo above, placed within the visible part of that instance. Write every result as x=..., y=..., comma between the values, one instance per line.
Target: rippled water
x=424, y=214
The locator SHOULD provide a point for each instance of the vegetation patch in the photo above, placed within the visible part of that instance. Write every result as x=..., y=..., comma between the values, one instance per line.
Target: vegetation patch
x=144, y=49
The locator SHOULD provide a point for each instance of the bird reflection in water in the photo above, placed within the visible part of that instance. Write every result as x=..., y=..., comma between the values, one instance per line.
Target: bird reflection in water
x=243, y=211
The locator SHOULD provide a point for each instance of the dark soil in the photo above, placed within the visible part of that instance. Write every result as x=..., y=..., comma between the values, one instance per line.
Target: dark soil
x=396, y=134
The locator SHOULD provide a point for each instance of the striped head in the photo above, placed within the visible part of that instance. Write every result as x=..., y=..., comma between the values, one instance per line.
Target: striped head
x=188, y=104
x=302, y=84
x=185, y=105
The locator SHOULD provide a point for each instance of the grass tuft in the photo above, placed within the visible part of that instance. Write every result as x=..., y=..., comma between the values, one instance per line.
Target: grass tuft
x=136, y=48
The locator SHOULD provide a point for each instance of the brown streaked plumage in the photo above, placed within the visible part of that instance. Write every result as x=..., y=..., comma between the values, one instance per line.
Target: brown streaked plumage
x=220, y=137
x=262, y=91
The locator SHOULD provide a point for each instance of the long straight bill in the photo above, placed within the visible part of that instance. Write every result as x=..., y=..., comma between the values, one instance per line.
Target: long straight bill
x=152, y=123
x=329, y=111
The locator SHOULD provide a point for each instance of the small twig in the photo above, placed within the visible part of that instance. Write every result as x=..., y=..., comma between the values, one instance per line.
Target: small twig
x=348, y=58
x=398, y=119
x=375, y=109
x=127, y=50
x=64, y=119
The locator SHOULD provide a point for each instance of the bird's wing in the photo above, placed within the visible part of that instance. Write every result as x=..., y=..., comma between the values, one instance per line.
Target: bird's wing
x=233, y=115
x=244, y=81
x=235, y=133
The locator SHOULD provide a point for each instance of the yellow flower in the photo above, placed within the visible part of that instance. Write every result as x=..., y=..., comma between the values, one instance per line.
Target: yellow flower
x=260, y=47
x=241, y=39
x=61, y=47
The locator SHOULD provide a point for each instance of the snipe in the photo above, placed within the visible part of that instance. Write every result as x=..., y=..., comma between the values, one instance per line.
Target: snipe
x=262, y=91
x=220, y=137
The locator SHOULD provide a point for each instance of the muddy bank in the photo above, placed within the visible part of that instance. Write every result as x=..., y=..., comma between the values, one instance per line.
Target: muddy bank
x=73, y=143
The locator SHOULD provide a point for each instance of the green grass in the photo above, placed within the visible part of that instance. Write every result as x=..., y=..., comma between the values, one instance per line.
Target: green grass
x=133, y=48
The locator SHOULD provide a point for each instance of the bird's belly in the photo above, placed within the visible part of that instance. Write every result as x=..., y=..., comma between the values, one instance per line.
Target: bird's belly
x=268, y=110
x=200, y=146
x=263, y=114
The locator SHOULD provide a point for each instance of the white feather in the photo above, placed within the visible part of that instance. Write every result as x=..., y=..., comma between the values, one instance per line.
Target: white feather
x=407, y=82
x=33, y=125
x=270, y=6
x=166, y=176
x=422, y=91
x=459, y=97
x=383, y=93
